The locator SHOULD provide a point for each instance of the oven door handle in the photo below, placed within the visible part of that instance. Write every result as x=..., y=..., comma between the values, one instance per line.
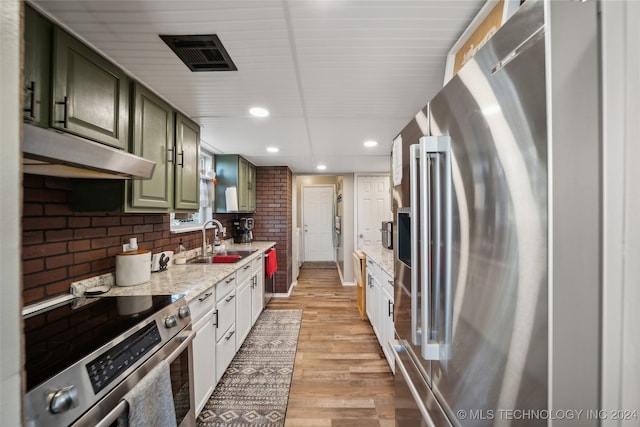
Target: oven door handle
x=114, y=414
x=185, y=339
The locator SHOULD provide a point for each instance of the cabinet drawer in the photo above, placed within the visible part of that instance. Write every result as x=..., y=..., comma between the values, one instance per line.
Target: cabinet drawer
x=226, y=314
x=225, y=350
x=243, y=273
x=258, y=264
x=386, y=281
x=372, y=267
x=225, y=286
x=202, y=303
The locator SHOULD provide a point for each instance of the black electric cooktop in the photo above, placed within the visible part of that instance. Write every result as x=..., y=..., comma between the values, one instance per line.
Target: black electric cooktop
x=59, y=336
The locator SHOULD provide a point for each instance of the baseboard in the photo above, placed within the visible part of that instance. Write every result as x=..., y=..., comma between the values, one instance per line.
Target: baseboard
x=283, y=294
x=342, y=277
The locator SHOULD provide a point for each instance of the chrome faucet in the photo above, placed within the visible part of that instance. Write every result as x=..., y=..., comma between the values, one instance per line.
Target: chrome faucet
x=204, y=233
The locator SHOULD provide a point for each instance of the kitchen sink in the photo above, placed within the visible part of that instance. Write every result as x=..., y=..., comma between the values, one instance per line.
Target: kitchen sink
x=224, y=257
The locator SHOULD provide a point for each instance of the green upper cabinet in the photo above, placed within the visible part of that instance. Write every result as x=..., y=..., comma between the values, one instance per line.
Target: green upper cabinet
x=38, y=34
x=235, y=171
x=169, y=139
x=246, y=186
x=90, y=95
x=153, y=139
x=187, y=172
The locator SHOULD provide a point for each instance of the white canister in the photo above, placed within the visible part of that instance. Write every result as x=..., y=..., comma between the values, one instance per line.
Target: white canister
x=133, y=268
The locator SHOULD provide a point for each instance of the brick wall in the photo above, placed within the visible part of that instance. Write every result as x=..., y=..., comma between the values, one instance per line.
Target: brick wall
x=60, y=246
x=273, y=218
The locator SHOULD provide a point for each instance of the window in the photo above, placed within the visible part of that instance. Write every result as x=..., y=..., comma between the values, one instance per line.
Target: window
x=183, y=222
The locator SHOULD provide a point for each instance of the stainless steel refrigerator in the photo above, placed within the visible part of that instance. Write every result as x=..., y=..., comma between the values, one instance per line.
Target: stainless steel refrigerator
x=476, y=191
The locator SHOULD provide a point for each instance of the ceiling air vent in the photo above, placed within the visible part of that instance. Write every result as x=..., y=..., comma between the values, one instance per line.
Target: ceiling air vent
x=201, y=53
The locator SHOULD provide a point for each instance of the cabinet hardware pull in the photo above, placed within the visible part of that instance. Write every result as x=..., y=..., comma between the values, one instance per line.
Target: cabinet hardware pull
x=229, y=280
x=65, y=112
x=230, y=298
x=216, y=322
x=32, y=100
x=246, y=266
x=181, y=154
x=170, y=158
x=390, y=309
x=207, y=295
x=228, y=337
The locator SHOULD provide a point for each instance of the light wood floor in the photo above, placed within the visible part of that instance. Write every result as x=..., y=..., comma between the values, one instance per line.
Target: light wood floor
x=340, y=377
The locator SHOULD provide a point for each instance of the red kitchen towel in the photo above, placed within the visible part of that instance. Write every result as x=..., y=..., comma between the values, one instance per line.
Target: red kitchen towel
x=225, y=258
x=271, y=263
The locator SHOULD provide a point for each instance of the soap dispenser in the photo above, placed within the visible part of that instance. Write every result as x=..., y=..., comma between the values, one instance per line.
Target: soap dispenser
x=181, y=254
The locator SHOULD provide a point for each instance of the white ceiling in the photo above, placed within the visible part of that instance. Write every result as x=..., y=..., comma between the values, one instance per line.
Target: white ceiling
x=333, y=73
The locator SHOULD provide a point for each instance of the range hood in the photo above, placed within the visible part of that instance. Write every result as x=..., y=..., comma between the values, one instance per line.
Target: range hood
x=49, y=152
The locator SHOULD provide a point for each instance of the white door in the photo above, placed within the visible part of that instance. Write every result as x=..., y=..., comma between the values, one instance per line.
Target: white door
x=317, y=211
x=374, y=206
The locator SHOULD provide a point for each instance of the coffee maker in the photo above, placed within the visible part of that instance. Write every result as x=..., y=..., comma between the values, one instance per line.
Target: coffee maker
x=242, y=230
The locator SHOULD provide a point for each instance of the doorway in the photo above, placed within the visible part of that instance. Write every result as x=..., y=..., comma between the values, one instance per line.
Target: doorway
x=317, y=220
x=373, y=207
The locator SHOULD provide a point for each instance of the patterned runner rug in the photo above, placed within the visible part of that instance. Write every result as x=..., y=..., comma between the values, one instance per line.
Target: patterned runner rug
x=254, y=390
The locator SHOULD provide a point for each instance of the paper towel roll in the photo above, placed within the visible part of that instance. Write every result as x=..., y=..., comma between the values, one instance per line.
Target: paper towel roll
x=231, y=194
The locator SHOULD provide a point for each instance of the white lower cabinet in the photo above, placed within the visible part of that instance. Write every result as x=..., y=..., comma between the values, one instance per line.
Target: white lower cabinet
x=225, y=350
x=225, y=332
x=243, y=311
x=257, y=291
x=373, y=304
x=226, y=307
x=203, y=315
x=222, y=317
x=386, y=325
x=380, y=307
x=204, y=359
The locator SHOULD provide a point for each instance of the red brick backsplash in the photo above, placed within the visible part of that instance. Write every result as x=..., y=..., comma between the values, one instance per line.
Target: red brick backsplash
x=273, y=218
x=60, y=246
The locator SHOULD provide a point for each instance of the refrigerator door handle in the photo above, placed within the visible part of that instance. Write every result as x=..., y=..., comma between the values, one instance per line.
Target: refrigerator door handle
x=416, y=327
x=436, y=220
x=395, y=347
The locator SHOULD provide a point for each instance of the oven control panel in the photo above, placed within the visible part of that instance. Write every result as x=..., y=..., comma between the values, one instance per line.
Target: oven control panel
x=110, y=364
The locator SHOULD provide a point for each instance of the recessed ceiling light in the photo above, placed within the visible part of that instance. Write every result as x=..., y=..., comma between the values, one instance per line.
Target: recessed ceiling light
x=258, y=112
x=321, y=167
x=370, y=143
x=273, y=149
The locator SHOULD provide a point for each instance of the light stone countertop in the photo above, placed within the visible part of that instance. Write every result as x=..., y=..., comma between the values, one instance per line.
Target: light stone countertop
x=187, y=279
x=381, y=256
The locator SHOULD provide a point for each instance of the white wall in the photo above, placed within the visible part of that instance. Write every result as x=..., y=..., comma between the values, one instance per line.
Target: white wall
x=621, y=207
x=10, y=212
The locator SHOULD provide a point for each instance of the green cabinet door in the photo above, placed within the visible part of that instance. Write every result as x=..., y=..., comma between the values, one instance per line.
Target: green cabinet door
x=38, y=34
x=187, y=173
x=153, y=133
x=251, y=188
x=235, y=171
x=90, y=95
x=243, y=185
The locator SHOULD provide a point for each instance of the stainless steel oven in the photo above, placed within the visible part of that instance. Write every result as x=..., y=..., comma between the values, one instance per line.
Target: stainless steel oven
x=180, y=358
x=82, y=358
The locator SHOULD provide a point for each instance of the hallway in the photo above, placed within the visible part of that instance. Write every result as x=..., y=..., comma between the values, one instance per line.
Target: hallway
x=340, y=377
